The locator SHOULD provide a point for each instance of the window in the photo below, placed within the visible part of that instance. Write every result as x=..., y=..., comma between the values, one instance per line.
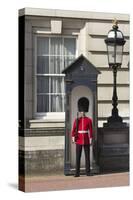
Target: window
x=53, y=55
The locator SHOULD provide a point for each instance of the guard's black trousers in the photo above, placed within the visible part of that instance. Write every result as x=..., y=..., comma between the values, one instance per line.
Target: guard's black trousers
x=87, y=157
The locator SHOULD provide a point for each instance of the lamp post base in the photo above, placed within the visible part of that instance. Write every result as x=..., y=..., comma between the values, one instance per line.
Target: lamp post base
x=114, y=121
x=113, y=147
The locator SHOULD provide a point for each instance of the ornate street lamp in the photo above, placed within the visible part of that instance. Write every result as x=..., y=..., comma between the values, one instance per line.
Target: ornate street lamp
x=115, y=42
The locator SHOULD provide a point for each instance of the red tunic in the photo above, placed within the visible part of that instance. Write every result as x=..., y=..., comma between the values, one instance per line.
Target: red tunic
x=84, y=130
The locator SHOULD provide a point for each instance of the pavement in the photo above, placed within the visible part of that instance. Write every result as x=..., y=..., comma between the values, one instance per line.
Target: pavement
x=62, y=182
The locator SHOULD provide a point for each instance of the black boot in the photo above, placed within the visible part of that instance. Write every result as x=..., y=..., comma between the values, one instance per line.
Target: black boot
x=76, y=175
x=89, y=174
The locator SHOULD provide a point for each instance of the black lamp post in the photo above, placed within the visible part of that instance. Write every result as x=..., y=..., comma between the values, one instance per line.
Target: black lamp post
x=115, y=42
x=113, y=137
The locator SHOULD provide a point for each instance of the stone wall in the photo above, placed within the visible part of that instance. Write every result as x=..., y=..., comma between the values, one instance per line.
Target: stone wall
x=41, y=151
x=90, y=29
x=42, y=161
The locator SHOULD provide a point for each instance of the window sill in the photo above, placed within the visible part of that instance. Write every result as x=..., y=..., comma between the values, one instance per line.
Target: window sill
x=50, y=116
x=47, y=123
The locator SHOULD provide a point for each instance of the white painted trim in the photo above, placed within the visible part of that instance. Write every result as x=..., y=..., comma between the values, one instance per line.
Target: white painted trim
x=52, y=94
x=57, y=75
x=47, y=121
x=56, y=26
x=74, y=33
x=42, y=32
x=50, y=115
x=72, y=14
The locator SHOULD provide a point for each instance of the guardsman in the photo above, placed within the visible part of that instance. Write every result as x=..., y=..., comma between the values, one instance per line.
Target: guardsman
x=82, y=135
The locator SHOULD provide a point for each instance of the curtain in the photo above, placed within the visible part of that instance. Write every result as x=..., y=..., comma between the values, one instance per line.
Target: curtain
x=42, y=84
x=42, y=103
x=69, y=46
x=56, y=50
x=43, y=65
x=57, y=91
x=42, y=46
x=69, y=51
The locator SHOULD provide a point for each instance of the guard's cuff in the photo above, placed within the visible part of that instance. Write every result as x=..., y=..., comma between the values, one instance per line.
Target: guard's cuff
x=73, y=139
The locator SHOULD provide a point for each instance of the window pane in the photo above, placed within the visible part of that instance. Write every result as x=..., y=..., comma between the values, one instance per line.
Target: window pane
x=56, y=103
x=53, y=85
x=42, y=84
x=56, y=64
x=42, y=64
x=68, y=60
x=69, y=46
x=56, y=46
x=53, y=103
x=59, y=103
x=42, y=103
x=42, y=46
x=57, y=85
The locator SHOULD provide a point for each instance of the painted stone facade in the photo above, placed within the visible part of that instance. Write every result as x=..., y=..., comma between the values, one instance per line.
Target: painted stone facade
x=90, y=30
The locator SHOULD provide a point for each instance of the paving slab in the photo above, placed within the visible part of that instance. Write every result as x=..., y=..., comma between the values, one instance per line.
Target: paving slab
x=61, y=182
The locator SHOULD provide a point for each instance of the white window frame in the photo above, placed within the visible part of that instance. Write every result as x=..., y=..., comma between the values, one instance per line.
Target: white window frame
x=47, y=115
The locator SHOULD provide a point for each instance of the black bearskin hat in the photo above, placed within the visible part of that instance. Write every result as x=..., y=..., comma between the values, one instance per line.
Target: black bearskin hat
x=83, y=104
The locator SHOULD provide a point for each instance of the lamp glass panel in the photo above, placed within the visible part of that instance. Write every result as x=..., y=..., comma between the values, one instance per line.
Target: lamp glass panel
x=111, y=53
x=119, y=53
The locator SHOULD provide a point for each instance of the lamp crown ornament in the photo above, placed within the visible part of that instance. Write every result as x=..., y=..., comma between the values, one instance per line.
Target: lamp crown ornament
x=115, y=23
x=115, y=42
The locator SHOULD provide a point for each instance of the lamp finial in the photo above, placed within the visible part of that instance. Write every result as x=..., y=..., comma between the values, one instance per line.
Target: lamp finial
x=115, y=23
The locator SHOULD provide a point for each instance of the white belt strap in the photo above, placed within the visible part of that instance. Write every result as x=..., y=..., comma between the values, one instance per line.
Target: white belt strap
x=82, y=131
